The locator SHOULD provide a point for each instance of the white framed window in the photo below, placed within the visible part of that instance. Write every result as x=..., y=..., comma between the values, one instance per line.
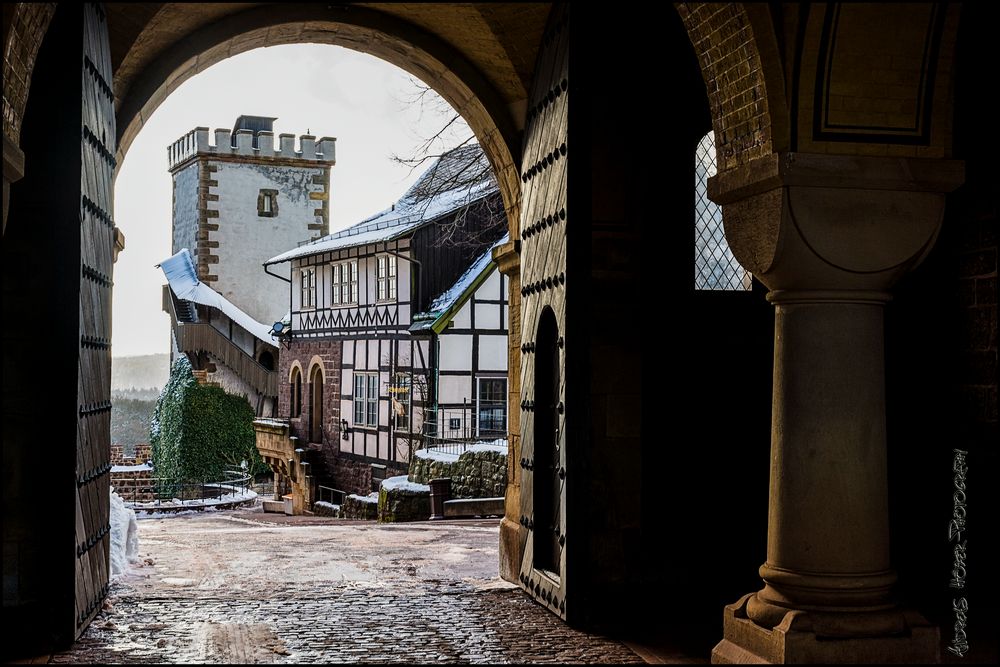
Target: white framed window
x=715, y=268
x=344, y=283
x=491, y=407
x=366, y=399
x=307, y=288
x=386, y=277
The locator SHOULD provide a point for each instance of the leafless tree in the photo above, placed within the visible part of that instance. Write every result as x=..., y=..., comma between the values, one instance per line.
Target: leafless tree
x=465, y=176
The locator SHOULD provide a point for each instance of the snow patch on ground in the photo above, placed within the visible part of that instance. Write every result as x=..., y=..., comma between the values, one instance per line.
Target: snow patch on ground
x=401, y=483
x=370, y=498
x=234, y=495
x=124, y=536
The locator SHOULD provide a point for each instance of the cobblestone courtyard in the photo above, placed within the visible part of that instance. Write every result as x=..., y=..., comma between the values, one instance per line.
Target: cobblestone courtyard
x=244, y=587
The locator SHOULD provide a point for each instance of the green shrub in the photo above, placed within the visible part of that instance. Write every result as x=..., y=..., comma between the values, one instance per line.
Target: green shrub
x=197, y=431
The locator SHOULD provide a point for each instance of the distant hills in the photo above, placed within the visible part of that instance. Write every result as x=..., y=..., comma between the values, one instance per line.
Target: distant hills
x=142, y=372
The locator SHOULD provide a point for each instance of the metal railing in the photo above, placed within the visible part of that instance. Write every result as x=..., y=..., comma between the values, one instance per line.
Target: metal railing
x=452, y=430
x=330, y=495
x=151, y=492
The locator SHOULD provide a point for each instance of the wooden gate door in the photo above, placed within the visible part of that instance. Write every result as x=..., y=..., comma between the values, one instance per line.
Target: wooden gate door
x=93, y=442
x=543, y=299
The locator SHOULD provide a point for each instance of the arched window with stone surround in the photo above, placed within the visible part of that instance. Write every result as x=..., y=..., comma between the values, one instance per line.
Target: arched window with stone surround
x=295, y=404
x=715, y=268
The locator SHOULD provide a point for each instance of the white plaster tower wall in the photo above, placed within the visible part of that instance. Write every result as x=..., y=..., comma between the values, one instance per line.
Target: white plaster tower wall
x=218, y=212
x=246, y=239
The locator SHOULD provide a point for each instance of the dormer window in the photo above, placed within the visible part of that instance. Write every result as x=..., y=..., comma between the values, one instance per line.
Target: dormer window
x=386, y=277
x=267, y=203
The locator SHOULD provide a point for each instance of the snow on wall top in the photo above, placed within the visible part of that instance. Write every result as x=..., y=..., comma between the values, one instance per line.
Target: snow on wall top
x=458, y=178
x=401, y=483
x=183, y=279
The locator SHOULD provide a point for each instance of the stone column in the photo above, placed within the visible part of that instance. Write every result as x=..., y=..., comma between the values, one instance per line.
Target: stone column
x=512, y=534
x=829, y=236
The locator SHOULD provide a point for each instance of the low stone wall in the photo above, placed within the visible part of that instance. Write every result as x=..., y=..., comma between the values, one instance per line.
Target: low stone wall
x=403, y=500
x=359, y=507
x=322, y=508
x=478, y=473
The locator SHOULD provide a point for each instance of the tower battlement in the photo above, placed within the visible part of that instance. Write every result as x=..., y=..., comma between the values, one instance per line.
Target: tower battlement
x=196, y=142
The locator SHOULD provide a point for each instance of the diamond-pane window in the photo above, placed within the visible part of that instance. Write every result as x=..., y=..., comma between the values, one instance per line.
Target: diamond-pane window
x=715, y=268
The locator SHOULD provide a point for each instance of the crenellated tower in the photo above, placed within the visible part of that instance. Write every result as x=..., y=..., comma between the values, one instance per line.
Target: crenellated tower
x=242, y=200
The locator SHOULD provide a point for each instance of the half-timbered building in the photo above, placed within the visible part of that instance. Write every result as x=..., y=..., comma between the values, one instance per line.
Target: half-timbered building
x=396, y=321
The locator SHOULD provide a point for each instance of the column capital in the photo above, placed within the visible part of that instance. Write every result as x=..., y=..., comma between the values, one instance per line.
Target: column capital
x=801, y=221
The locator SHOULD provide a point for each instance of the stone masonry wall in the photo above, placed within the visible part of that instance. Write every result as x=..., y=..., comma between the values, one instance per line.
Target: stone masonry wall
x=480, y=474
x=303, y=351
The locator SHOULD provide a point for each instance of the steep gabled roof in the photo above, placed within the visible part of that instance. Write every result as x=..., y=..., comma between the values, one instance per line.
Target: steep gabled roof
x=456, y=179
x=183, y=279
x=447, y=304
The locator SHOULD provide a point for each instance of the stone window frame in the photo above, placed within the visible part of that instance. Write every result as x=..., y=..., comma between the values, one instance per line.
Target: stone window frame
x=267, y=203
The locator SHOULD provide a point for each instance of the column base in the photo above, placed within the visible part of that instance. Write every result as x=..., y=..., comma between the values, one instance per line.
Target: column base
x=512, y=538
x=794, y=641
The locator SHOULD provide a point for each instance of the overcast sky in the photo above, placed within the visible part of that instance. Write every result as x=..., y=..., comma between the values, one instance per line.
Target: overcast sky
x=366, y=103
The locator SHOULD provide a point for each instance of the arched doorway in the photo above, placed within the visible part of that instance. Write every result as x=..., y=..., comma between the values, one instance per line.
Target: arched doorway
x=548, y=470
x=128, y=76
x=316, y=404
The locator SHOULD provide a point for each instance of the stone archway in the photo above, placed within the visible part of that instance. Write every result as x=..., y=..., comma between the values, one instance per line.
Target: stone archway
x=482, y=67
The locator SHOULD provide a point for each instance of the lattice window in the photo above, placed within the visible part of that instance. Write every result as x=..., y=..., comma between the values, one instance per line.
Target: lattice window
x=715, y=268
x=344, y=283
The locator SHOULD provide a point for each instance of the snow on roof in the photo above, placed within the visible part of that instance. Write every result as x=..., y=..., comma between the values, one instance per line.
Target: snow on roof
x=457, y=178
x=183, y=278
x=451, y=299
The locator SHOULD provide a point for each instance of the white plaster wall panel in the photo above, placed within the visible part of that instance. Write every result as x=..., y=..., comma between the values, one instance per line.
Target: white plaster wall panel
x=296, y=303
x=404, y=269
x=506, y=317
x=347, y=352
x=421, y=356
x=347, y=411
x=403, y=356
x=373, y=355
x=366, y=281
x=246, y=240
x=454, y=388
x=185, y=213
x=490, y=289
x=493, y=353
x=383, y=446
x=487, y=316
x=456, y=352
x=463, y=319
x=403, y=450
x=346, y=384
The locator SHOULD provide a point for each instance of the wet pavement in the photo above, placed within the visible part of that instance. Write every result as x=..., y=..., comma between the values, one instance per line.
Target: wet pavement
x=245, y=587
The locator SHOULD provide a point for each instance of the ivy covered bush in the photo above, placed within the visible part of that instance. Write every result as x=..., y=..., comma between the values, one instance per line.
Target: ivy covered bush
x=197, y=431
